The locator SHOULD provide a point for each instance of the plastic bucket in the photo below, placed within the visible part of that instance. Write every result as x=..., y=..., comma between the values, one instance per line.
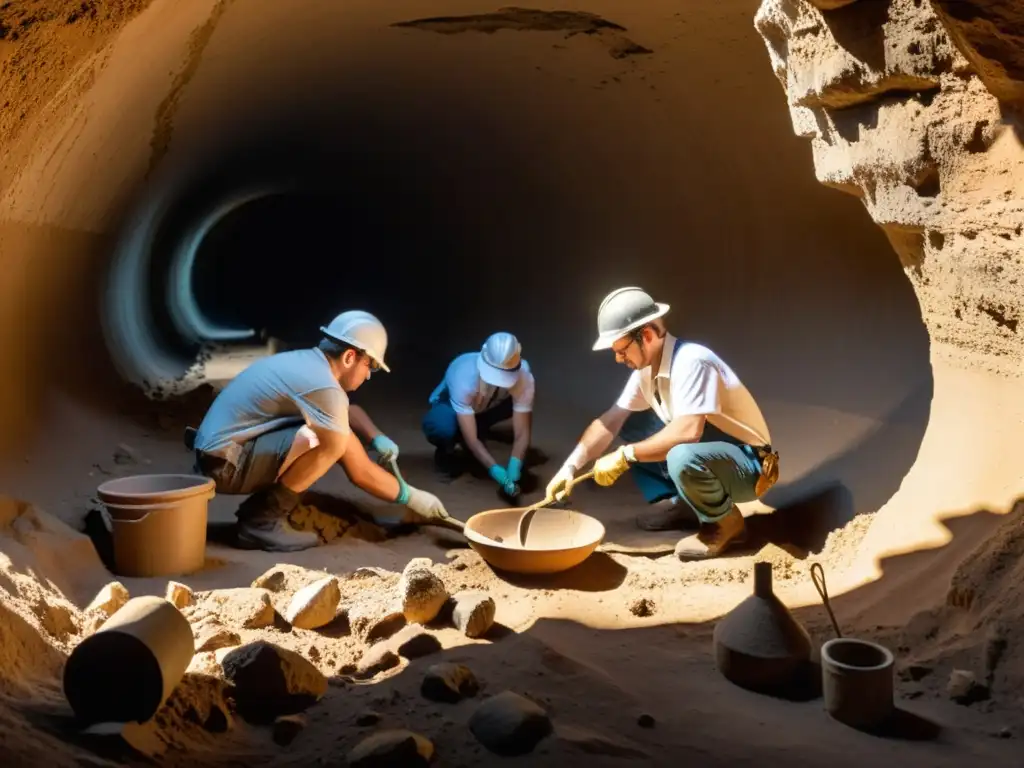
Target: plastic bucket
x=126, y=670
x=158, y=523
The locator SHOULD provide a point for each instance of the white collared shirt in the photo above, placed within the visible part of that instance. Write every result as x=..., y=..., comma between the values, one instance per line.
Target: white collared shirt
x=469, y=394
x=695, y=381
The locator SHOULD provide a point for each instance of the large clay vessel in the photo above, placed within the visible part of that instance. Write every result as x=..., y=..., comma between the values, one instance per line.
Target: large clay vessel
x=759, y=645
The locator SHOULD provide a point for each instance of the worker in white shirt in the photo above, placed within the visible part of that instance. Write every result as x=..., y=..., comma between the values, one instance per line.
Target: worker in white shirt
x=695, y=440
x=278, y=426
x=480, y=390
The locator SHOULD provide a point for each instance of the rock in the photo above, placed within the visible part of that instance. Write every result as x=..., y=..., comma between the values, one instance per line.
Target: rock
x=473, y=613
x=372, y=620
x=272, y=581
x=645, y=721
x=376, y=660
x=243, y=607
x=449, y=683
x=287, y=727
x=990, y=35
x=212, y=637
x=271, y=681
x=420, y=592
x=365, y=719
x=642, y=607
x=414, y=641
x=509, y=724
x=915, y=672
x=398, y=748
x=109, y=600
x=964, y=688
x=179, y=594
x=314, y=605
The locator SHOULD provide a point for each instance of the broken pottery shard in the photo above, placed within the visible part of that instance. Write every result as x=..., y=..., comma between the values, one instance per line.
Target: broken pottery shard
x=413, y=642
x=179, y=594
x=474, y=613
x=509, y=724
x=271, y=681
x=449, y=683
x=376, y=660
x=243, y=607
x=392, y=748
x=314, y=605
x=421, y=593
x=109, y=600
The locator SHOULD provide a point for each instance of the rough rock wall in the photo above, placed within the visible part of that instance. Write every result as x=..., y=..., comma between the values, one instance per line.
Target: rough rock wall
x=909, y=105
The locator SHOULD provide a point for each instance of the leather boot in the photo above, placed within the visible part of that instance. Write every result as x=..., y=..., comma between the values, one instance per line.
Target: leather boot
x=714, y=538
x=263, y=522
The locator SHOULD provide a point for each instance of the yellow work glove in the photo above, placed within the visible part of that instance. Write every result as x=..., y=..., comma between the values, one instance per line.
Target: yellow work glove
x=611, y=466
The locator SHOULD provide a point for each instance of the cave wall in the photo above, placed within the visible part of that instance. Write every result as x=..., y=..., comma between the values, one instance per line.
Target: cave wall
x=910, y=105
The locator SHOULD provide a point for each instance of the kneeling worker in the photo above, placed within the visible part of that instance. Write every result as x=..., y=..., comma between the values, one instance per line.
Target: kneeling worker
x=479, y=390
x=279, y=425
x=696, y=441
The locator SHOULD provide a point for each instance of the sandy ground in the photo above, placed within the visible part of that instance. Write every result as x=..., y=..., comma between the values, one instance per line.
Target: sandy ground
x=597, y=647
x=621, y=637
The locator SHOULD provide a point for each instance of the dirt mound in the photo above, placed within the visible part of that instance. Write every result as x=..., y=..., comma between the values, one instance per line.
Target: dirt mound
x=980, y=629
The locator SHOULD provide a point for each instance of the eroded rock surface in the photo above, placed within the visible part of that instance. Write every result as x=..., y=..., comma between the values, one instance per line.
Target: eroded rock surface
x=901, y=102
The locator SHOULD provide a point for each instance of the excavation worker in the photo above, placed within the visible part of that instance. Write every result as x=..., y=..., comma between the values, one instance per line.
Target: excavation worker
x=479, y=390
x=695, y=440
x=279, y=425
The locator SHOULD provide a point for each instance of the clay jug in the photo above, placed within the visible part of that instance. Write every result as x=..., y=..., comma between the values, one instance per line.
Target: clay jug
x=759, y=645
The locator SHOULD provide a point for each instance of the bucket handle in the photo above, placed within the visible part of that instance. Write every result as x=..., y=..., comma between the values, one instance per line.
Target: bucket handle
x=818, y=577
x=149, y=508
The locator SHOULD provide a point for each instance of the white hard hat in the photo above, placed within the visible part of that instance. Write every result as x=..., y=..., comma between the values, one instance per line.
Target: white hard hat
x=500, y=360
x=622, y=311
x=363, y=331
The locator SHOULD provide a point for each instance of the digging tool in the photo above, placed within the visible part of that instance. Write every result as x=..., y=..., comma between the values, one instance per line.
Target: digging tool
x=527, y=516
x=449, y=522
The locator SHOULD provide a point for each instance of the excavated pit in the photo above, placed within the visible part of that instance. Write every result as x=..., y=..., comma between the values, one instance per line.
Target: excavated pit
x=189, y=185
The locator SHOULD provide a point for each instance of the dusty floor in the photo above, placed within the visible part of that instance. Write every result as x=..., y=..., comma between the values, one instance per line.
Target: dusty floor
x=597, y=647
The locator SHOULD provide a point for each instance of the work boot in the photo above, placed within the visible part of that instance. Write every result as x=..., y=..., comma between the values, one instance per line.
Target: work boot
x=672, y=514
x=275, y=535
x=713, y=538
x=263, y=521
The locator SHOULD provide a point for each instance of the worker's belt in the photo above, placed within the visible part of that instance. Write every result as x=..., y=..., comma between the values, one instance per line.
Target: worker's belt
x=769, y=468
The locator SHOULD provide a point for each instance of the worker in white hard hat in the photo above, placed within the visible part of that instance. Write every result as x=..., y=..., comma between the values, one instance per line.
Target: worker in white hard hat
x=694, y=438
x=278, y=426
x=478, y=391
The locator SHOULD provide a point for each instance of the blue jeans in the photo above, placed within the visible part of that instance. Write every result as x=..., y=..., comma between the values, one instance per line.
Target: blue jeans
x=441, y=424
x=710, y=475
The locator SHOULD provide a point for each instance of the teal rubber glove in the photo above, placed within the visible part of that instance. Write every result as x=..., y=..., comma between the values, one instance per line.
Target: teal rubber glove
x=498, y=474
x=515, y=470
x=386, y=447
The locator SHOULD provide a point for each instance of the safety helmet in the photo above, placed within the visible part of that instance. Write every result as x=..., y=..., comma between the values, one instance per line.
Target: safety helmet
x=363, y=331
x=624, y=310
x=500, y=360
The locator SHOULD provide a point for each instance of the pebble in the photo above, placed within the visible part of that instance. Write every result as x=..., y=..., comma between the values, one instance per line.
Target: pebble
x=510, y=724
x=449, y=683
x=179, y=594
x=315, y=605
x=399, y=748
x=473, y=614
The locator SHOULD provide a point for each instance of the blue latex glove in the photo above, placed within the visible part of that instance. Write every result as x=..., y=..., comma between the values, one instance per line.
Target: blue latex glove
x=498, y=474
x=385, y=446
x=515, y=470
